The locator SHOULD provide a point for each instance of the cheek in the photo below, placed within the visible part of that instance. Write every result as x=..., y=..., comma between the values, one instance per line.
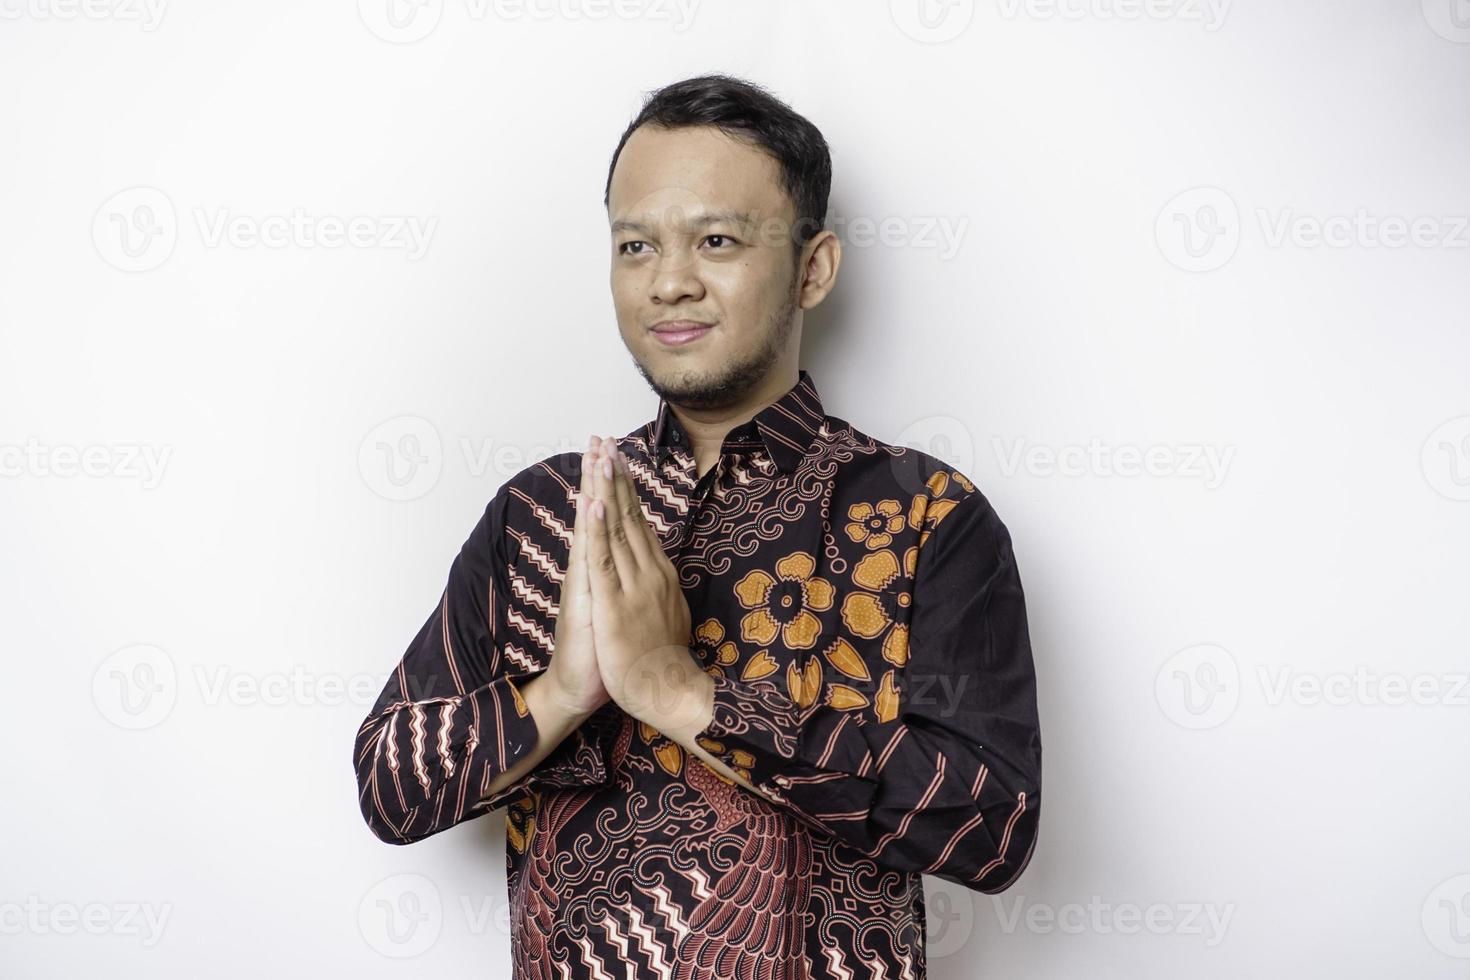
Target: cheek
x=626, y=291
x=748, y=293
x=736, y=287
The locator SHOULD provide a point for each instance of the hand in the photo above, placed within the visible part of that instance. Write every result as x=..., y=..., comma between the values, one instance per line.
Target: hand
x=576, y=683
x=640, y=618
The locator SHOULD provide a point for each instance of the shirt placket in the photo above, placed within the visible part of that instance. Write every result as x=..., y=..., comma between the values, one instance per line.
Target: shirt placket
x=702, y=496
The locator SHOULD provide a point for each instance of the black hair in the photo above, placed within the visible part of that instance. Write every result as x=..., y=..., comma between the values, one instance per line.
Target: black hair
x=745, y=111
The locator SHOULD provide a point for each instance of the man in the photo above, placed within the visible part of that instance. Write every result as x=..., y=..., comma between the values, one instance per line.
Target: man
x=742, y=675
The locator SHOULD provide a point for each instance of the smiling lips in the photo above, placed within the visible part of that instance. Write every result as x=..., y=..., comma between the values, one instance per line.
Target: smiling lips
x=675, y=333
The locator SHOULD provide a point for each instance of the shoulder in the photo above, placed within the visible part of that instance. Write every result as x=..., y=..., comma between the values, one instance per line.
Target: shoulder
x=872, y=473
x=918, y=504
x=537, y=501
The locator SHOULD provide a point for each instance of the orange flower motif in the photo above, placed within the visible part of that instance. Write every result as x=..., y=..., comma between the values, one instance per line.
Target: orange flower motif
x=710, y=636
x=925, y=512
x=874, y=612
x=875, y=525
x=784, y=604
x=738, y=760
x=520, y=822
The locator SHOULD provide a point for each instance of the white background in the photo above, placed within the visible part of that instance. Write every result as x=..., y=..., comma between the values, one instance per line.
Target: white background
x=1252, y=671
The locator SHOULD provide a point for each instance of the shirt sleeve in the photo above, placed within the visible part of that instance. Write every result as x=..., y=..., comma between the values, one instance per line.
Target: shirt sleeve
x=451, y=717
x=952, y=785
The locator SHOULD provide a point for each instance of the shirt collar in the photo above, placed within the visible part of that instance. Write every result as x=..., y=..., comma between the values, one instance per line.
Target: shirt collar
x=785, y=428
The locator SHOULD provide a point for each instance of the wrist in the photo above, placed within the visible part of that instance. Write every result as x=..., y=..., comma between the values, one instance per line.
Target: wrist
x=557, y=702
x=679, y=699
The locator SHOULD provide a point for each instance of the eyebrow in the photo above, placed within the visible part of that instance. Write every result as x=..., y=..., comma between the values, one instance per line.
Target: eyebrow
x=710, y=218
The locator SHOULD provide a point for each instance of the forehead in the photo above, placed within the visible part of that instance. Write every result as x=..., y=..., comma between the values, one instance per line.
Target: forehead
x=694, y=169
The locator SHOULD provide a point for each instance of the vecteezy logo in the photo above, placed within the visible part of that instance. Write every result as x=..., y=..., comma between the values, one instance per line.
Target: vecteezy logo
x=1450, y=19
x=1199, y=230
x=1445, y=459
x=949, y=918
x=944, y=437
x=135, y=687
x=401, y=21
x=401, y=916
x=932, y=21
x=136, y=229
x=1446, y=917
x=1199, y=687
x=401, y=459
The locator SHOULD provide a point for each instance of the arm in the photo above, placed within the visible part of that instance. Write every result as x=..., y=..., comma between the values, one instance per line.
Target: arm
x=459, y=728
x=952, y=786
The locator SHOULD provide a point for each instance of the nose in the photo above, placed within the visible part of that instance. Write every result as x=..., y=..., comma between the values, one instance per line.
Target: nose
x=676, y=278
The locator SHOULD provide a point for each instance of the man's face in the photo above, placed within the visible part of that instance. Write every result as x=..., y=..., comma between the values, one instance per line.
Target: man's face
x=701, y=231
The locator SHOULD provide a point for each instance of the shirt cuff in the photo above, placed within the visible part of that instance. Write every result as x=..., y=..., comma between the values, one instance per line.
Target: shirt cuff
x=581, y=760
x=815, y=761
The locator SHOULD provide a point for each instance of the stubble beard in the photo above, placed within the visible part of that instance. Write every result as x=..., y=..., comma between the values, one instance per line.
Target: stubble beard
x=732, y=383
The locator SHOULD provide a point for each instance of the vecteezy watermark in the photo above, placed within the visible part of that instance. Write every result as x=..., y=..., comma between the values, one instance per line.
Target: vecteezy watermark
x=400, y=21
x=147, y=14
x=1450, y=19
x=1198, y=687
x=949, y=917
x=932, y=21
x=685, y=215
x=139, y=686
x=1188, y=461
x=1362, y=229
x=296, y=686
x=408, y=233
x=407, y=21
x=135, y=687
x=135, y=920
x=945, y=438
x=1210, y=14
x=403, y=457
x=1200, y=230
x=401, y=916
x=1445, y=459
x=404, y=915
x=1362, y=686
x=1201, y=686
x=137, y=229
x=940, y=233
x=123, y=461
x=1207, y=920
x=1446, y=917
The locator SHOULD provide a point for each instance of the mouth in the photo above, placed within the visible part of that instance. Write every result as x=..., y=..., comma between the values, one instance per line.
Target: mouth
x=676, y=333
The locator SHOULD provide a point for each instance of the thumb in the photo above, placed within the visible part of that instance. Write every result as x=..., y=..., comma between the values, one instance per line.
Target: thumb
x=576, y=582
x=601, y=571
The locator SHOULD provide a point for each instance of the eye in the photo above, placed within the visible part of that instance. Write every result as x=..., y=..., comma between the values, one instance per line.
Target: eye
x=723, y=238
x=623, y=248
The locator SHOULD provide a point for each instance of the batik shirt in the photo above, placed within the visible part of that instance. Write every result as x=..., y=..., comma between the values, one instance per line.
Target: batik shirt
x=859, y=607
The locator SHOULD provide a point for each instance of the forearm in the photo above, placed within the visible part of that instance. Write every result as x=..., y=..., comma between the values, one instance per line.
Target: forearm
x=956, y=795
x=554, y=723
x=687, y=701
x=714, y=762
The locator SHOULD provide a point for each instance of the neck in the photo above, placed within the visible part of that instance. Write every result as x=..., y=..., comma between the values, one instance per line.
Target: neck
x=707, y=428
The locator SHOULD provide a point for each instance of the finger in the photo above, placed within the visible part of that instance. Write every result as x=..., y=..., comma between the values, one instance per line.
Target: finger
x=576, y=577
x=655, y=555
x=630, y=511
x=624, y=558
x=602, y=570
